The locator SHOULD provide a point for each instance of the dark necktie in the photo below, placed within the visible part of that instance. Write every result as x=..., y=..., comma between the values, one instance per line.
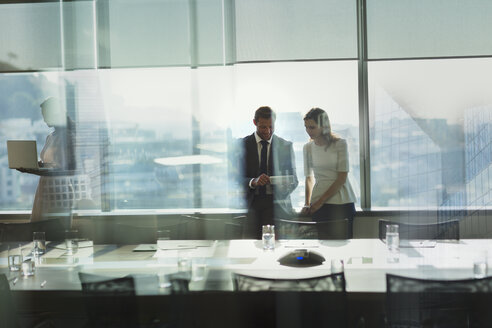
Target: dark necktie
x=263, y=163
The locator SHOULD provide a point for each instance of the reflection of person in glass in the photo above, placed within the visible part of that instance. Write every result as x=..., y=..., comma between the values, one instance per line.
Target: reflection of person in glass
x=328, y=194
x=54, y=193
x=267, y=155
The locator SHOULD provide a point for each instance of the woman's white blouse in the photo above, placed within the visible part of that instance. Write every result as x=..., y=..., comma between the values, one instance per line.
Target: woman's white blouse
x=325, y=164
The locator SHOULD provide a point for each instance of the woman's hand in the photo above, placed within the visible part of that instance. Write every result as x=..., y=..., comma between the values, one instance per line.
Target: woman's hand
x=305, y=210
x=315, y=206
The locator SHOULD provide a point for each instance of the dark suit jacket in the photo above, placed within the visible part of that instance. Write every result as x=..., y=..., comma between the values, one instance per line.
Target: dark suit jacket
x=281, y=162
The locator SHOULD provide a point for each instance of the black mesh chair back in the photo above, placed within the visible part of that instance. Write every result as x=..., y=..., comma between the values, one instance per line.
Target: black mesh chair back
x=438, y=303
x=331, y=283
x=54, y=229
x=109, y=302
x=8, y=317
x=332, y=229
x=442, y=230
x=312, y=302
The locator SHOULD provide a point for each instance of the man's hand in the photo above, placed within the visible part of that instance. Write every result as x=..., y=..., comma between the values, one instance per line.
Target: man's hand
x=262, y=180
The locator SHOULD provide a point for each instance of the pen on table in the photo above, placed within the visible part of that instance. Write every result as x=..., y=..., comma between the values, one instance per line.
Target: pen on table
x=43, y=284
x=14, y=281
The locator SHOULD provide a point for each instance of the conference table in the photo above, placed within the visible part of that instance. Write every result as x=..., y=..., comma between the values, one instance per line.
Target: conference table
x=365, y=267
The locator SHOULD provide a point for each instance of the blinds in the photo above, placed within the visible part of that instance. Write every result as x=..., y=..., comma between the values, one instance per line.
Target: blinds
x=428, y=28
x=294, y=29
x=30, y=37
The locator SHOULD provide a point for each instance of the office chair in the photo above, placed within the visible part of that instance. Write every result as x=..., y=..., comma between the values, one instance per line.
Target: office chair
x=332, y=229
x=10, y=319
x=414, y=302
x=7, y=311
x=312, y=302
x=109, y=302
x=333, y=283
x=442, y=230
x=54, y=229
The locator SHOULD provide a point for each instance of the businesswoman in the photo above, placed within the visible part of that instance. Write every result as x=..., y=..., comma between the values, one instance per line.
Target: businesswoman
x=54, y=194
x=328, y=194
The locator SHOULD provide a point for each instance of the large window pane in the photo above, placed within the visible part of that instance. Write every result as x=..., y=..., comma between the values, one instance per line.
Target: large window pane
x=163, y=138
x=430, y=133
x=428, y=28
x=291, y=89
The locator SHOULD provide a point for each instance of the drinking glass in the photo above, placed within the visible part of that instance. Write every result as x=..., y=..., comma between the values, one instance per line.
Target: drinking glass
x=336, y=266
x=164, y=281
x=14, y=258
x=39, y=240
x=268, y=237
x=393, y=243
x=184, y=263
x=27, y=266
x=198, y=268
x=162, y=237
x=71, y=241
x=480, y=266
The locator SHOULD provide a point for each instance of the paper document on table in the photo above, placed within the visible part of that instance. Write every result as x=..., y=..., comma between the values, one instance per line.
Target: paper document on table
x=183, y=244
x=82, y=243
x=145, y=248
x=406, y=243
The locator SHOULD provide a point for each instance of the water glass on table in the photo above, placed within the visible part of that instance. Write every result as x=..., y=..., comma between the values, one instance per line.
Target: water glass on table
x=480, y=265
x=393, y=243
x=336, y=266
x=27, y=266
x=14, y=258
x=184, y=263
x=39, y=240
x=268, y=237
x=71, y=241
x=162, y=237
x=198, y=268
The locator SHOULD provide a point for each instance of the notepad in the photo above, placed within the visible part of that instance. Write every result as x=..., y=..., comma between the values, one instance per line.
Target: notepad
x=183, y=244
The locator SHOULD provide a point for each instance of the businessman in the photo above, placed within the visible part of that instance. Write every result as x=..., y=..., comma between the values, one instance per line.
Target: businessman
x=267, y=155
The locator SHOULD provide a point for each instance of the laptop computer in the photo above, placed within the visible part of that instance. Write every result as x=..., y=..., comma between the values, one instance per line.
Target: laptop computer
x=22, y=154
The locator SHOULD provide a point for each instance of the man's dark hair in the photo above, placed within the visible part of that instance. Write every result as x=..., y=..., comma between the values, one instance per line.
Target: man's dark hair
x=264, y=112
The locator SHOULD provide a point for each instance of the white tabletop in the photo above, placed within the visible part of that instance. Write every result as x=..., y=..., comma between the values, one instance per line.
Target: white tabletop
x=365, y=262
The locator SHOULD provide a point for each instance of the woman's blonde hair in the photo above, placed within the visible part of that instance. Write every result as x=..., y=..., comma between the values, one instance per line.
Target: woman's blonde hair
x=321, y=118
